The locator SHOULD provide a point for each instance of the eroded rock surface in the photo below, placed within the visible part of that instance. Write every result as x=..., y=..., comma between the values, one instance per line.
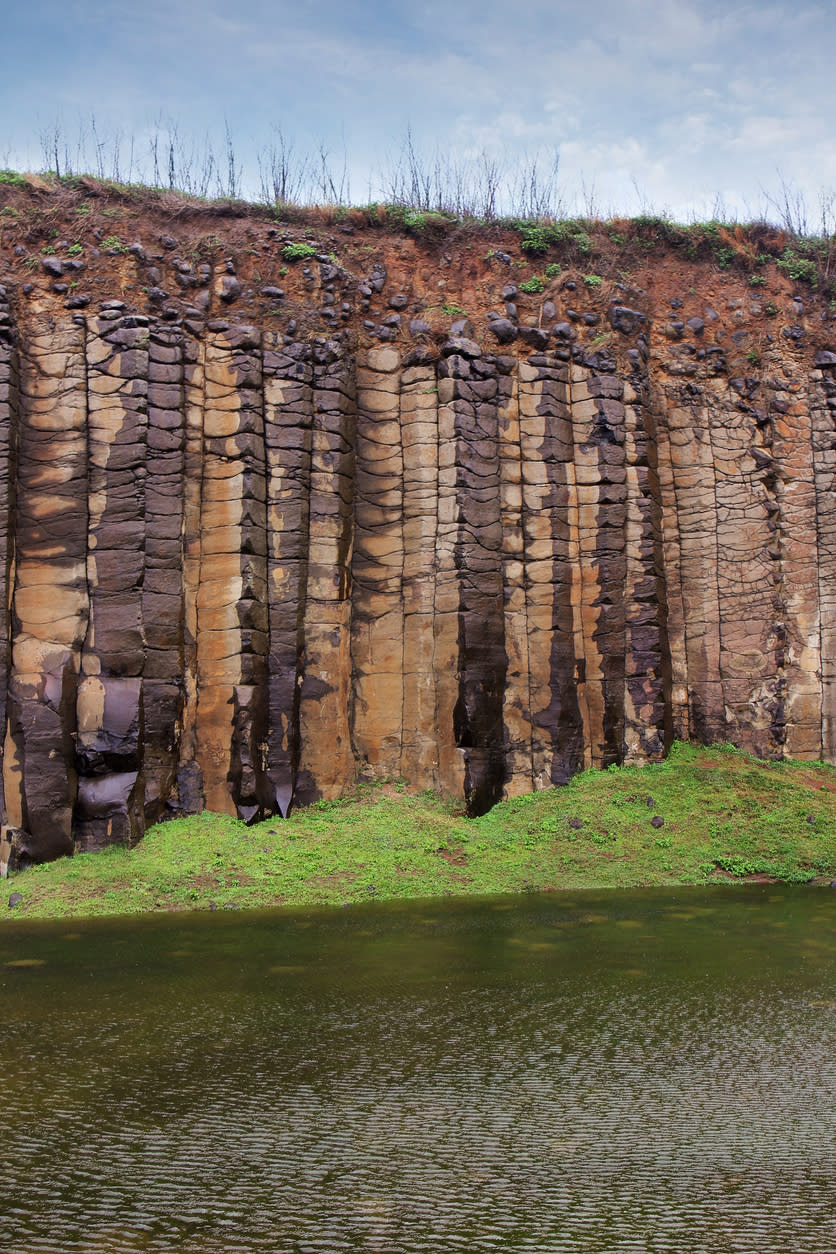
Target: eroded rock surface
x=248, y=556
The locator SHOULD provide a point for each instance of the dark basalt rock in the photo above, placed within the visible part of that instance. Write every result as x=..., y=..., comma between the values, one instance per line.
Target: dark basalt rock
x=626, y=320
x=230, y=288
x=461, y=346
x=504, y=330
x=536, y=337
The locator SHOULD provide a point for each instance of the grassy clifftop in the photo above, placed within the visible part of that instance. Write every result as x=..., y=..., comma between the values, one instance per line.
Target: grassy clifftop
x=702, y=815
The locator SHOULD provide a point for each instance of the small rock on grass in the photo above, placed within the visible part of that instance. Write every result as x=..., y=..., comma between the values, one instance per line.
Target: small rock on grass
x=15, y=900
x=657, y=821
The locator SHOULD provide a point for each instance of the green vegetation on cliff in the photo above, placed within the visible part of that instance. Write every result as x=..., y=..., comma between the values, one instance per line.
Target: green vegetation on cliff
x=33, y=204
x=702, y=815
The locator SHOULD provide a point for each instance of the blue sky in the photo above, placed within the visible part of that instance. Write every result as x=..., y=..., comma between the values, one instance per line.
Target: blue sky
x=669, y=104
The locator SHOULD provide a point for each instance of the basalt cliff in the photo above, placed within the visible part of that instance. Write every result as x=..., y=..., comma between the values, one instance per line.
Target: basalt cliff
x=270, y=521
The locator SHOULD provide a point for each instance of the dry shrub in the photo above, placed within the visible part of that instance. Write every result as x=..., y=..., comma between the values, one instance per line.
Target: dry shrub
x=768, y=238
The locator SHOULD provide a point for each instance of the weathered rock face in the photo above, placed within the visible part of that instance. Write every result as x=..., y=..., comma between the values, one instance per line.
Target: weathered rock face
x=246, y=559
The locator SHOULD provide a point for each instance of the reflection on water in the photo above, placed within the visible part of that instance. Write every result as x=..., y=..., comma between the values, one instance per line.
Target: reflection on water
x=603, y=1072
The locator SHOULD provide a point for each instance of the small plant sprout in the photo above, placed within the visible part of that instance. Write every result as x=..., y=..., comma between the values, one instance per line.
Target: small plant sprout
x=298, y=252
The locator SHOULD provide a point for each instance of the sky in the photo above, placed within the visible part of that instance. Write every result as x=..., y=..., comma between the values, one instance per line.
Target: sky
x=679, y=106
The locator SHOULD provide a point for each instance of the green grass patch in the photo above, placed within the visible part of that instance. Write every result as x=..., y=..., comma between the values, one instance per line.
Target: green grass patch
x=298, y=252
x=725, y=816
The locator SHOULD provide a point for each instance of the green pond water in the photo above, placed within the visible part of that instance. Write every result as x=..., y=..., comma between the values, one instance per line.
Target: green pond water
x=643, y=1071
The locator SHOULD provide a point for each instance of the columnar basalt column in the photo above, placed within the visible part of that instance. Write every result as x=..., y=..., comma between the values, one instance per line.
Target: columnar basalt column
x=377, y=617
x=232, y=643
x=190, y=795
x=109, y=704
x=162, y=589
x=288, y=419
x=823, y=421
x=251, y=789
x=50, y=595
x=482, y=662
x=555, y=673
x=598, y=423
x=326, y=761
x=451, y=765
x=588, y=567
x=647, y=720
x=678, y=705
x=747, y=566
x=796, y=619
x=419, y=434
x=696, y=654
x=520, y=774
x=9, y=405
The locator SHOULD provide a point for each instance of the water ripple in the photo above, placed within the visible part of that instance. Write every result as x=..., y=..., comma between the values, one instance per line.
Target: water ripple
x=386, y=1085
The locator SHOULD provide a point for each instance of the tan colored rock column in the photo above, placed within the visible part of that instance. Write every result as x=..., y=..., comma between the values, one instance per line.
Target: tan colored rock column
x=377, y=612
x=796, y=629
x=162, y=590
x=451, y=765
x=482, y=662
x=607, y=433
x=585, y=500
x=326, y=764
x=50, y=603
x=823, y=416
x=419, y=434
x=110, y=746
x=748, y=570
x=288, y=417
x=219, y=654
x=232, y=641
x=9, y=407
x=190, y=794
x=647, y=722
x=671, y=564
x=549, y=516
x=688, y=427
x=516, y=698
